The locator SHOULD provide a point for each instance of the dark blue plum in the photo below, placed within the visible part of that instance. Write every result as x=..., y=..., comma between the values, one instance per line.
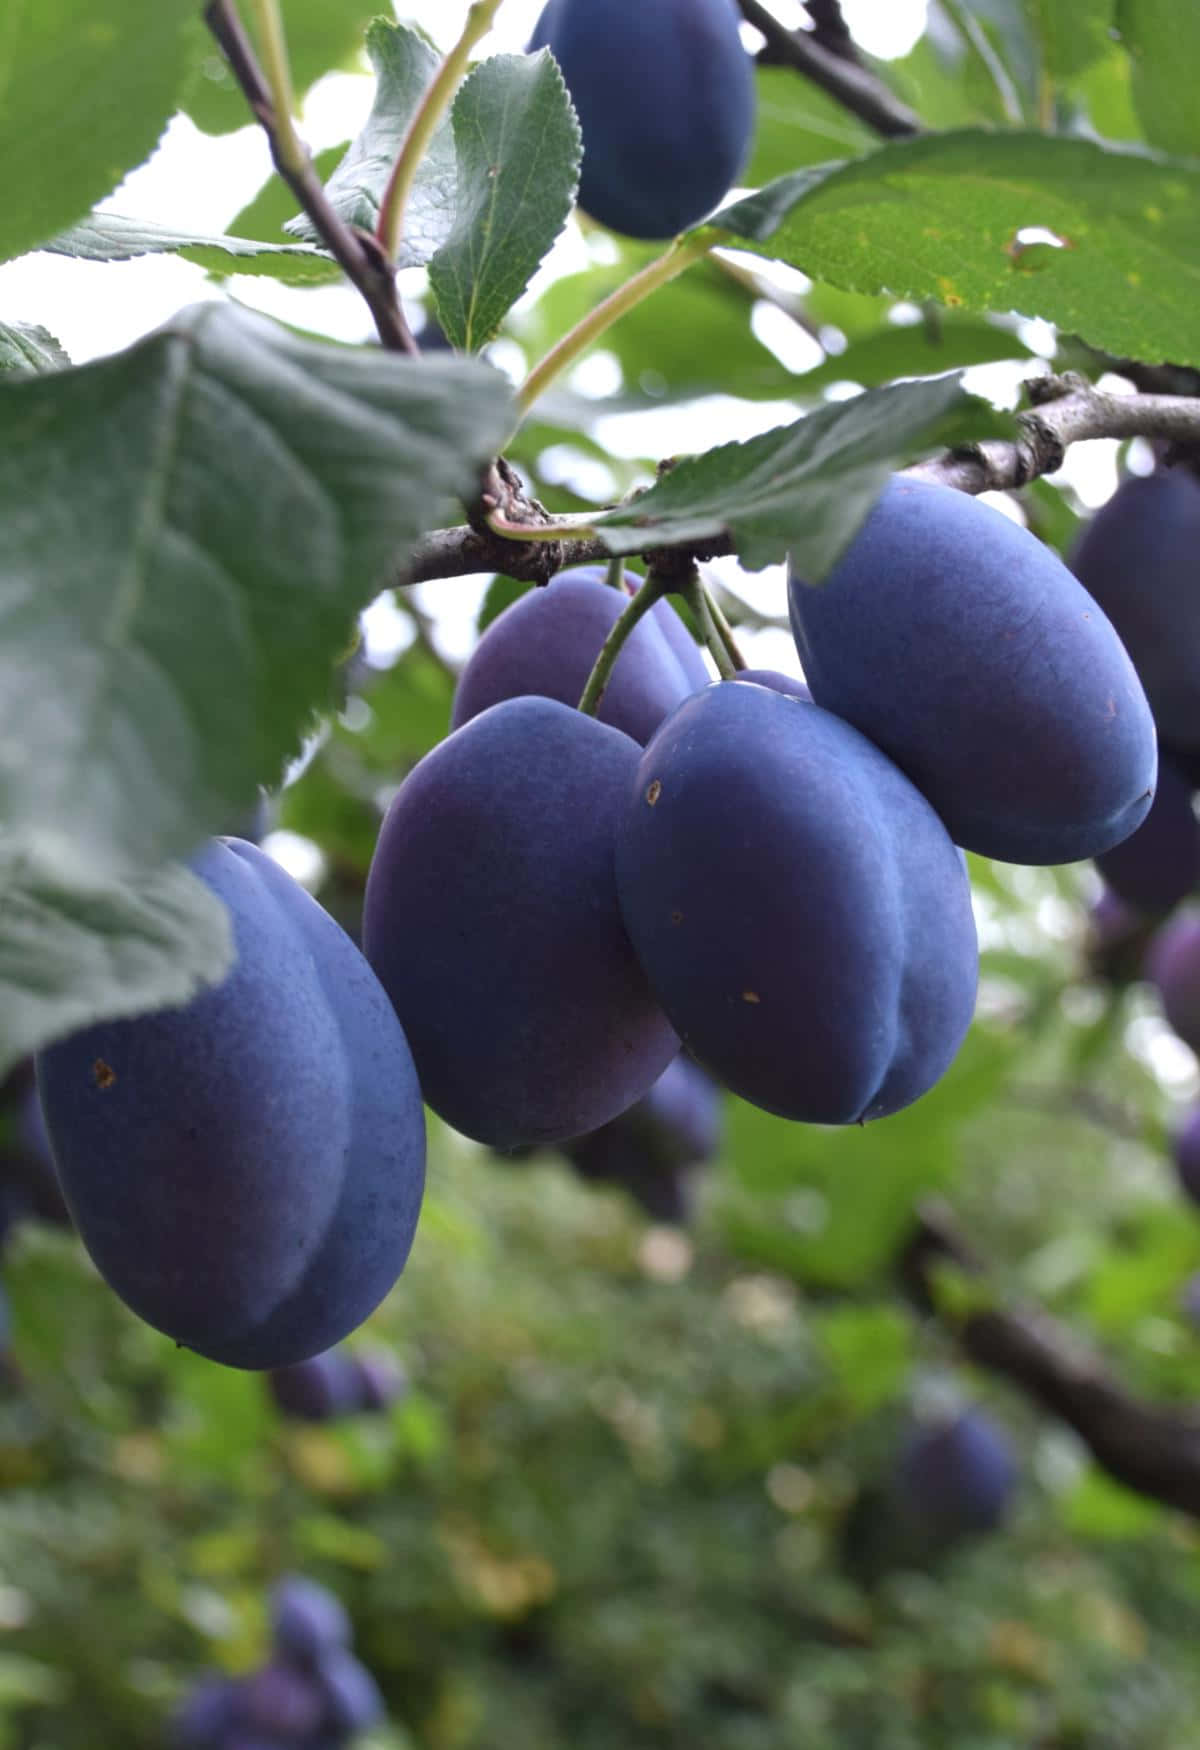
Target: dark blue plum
x=319, y=1389
x=958, y=1479
x=665, y=98
x=246, y=1171
x=649, y=1148
x=547, y=643
x=798, y=907
x=1173, y=965
x=1187, y=1156
x=352, y=1698
x=777, y=682
x=307, y=1621
x=1139, y=557
x=491, y=918
x=281, y=1701
x=203, y=1719
x=1117, y=939
x=966, y=650
x=380, y=1378
x=1159, y=864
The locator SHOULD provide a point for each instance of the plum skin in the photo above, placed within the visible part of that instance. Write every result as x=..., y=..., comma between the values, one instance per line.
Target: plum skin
x=1159, y=864
x=649, y=1148
x=664, y=93
x=491, y=919
x=968, y=652
x=799, y=908
x=247, y=1170
x=958, y=1478
x=547, y=643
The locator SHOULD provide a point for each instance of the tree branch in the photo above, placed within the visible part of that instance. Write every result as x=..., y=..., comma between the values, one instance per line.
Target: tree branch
x=853, y=86
x=1152, y=1450
x=831, y=30
x=1068, y=410
x=357, y=254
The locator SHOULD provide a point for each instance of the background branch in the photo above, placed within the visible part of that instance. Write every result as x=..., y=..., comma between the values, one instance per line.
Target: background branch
x=855, y=87
x=357, y=254
x=1153, y=1450
x=1067, y=410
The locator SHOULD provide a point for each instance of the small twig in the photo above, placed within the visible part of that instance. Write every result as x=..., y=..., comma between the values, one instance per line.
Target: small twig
x=1153, y=1450
x=675, y=260
x=721, y=627
x=638, y=606
x=421, y=129
x=853, y=86
x=357, y=254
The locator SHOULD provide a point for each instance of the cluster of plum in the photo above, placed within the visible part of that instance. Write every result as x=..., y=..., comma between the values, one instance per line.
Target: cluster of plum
x=559, y=902
x=1138, y=557
x=338, y=1382
x=660, y=159
x=313, y=1694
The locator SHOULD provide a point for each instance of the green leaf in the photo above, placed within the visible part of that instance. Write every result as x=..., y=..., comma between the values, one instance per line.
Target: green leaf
x=404, y=61
x=804, y=488
x=84, y=95
x=518, y=151
x=186, y=533
x=74, y=950
x=939, y=217
x=1163, y=40
x=110, y=237
x=798, y=124
x=323, y=36
x=26, y=347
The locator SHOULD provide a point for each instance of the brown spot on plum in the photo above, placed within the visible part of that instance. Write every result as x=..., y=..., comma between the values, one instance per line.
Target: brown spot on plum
x=103, y=1074
x=654, y=792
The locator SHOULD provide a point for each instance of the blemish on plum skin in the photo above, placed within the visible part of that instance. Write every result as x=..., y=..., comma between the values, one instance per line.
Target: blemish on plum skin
x=676, y=917
x=654, y=792
x=103, y=1074
x=751, y=996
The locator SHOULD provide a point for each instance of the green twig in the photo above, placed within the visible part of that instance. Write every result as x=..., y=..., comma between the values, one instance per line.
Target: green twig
x=652, y=591
x=616, y=572
x=421, y=129
x=279, y=78
x=703, y=606
x=676, y=260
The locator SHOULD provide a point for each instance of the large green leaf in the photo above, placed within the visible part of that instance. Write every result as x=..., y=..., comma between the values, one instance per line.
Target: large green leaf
x=518, y=151
x=405, y=62
x=1163, y=40
x=322, y=36
x=1071, y=34
x=186, y=533
x=84, y=95
x=108, y=236
x=26, y=347
x=940, y=217
x=74, y=950
x=805, y=488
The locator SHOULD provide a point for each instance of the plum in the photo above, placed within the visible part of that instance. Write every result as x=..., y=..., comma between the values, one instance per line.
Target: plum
x=246, y=1170
x=318, y=1389
x=665, y=99
x=1173, y=965
x=1186, y=1150
x=1159, y=863
x=491, y=918
x=965, y=649
x=306, y=1619
x=957, y=1478
x=1138, y=557
x=798, y=906
x=649, y=1148
x=547, y=643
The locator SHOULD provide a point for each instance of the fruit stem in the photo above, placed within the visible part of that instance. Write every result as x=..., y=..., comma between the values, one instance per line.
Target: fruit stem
x=707, y=613
x=616, y=572
x=279, y=80
x=723, y=629
x=681, y=255
x=652, y=591
x=428, y=113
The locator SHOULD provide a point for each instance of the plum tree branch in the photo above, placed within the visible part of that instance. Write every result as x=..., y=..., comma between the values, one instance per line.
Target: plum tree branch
x=854, y=86
x=357, y=254
x=1067, y=410
x=1152, y=1450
